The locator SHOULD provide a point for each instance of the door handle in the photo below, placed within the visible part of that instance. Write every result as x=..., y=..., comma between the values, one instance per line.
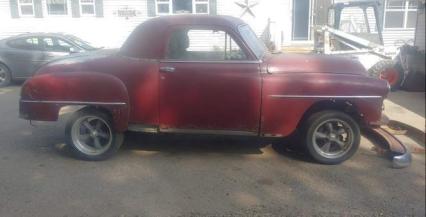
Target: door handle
x=167, y=69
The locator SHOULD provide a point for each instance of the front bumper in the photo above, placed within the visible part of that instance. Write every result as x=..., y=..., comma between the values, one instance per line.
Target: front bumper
x=400, y=155
x=401, y=161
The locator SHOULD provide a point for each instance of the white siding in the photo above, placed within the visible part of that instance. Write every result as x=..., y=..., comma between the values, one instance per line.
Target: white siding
x=396, y=38
x=4, y=10
x=109, y=31
x=279, y=11
x=420, y=29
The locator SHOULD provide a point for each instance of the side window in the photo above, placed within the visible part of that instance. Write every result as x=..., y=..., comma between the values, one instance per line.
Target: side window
x=31, y=43
x=203, y=45
x=53, y=44
x=352, y=20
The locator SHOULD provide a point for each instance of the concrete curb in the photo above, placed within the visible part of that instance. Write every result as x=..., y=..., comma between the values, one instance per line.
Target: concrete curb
x=399, y=114
x=410, y=131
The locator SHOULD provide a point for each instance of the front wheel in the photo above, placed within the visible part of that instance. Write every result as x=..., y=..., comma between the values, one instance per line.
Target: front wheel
x=91, y=136
x=5, y=76
x=331, y=137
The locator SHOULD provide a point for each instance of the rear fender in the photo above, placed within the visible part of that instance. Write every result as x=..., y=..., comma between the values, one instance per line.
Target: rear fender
x=45, y=94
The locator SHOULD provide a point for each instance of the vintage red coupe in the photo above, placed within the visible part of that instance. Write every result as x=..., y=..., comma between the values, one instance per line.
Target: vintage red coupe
x=209, y=75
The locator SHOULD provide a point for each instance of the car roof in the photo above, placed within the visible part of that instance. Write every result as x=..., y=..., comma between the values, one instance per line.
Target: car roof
x=36, y=34
x=185, y=19
x=147, y=39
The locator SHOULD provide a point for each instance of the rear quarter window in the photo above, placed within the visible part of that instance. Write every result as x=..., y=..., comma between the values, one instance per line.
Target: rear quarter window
x=30, y=43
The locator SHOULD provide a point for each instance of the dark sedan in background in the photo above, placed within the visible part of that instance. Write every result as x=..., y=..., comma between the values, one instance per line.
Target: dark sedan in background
x=22, y=55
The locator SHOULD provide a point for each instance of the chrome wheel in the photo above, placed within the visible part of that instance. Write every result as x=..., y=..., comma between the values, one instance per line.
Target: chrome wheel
x=333, y=138
x=91, y=135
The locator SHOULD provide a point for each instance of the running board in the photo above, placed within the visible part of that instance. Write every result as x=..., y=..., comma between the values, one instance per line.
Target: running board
x=143, y=128
x=156, y=129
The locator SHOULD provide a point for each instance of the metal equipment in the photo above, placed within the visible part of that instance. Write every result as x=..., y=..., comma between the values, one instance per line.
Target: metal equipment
x=354, y=29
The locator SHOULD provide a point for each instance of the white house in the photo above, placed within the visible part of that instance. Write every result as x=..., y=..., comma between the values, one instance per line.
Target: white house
x=109, y=22
x=420, y=35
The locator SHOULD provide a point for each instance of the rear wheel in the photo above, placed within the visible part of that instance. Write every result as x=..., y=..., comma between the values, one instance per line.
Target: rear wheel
x=5, y=76
x=390, y=71
x=331, y=137
x=91, y=136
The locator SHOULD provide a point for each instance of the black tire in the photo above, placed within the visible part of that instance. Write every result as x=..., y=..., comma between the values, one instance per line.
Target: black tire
x=376, y=71
x=315, y=123
x=5, y=76
x=81, y=148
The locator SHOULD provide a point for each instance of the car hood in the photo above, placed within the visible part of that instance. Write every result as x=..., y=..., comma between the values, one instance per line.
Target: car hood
x=312, y=63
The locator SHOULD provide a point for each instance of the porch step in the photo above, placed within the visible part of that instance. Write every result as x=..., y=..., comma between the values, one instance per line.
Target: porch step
x=298, y=49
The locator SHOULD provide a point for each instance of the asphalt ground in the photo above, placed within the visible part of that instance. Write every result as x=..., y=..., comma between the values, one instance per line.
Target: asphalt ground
x=176, y=175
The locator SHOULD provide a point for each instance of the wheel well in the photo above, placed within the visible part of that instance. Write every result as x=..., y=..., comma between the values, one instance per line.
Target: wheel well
x=7, y=67
x=100, y=109
x=2, y=63
x=76, y=108
x=118, y=115
x=344, y=106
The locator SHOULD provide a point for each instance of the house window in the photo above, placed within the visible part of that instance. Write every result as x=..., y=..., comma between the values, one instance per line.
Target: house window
x=87, y=7
x=167, y=7
x=57, y=7
x=400, y=14
x=163, y=7
x=182, y=6
x=26, y=7
x=201, y=6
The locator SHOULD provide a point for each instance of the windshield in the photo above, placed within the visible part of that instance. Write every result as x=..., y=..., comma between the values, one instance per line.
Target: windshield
x=255, y=44
x=84, y=44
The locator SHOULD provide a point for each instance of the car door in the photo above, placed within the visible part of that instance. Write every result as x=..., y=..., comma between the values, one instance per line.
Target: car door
x=208, y=82
x=55, y=47
x=24, y=56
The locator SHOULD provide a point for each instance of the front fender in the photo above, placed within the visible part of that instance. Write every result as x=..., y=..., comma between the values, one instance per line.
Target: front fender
x=286, y=97
x=43, y=95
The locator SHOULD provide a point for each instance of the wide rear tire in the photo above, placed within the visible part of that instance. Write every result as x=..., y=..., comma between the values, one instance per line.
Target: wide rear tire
x=91, y=136
x=331, y=137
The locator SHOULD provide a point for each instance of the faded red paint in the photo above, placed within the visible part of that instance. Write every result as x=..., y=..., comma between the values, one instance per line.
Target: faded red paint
x=289, y=63
x=227, y=96
x=199, y=95
x=276, y=111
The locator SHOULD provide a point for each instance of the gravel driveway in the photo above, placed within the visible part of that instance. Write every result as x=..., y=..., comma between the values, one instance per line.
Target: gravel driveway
x=176, y=175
